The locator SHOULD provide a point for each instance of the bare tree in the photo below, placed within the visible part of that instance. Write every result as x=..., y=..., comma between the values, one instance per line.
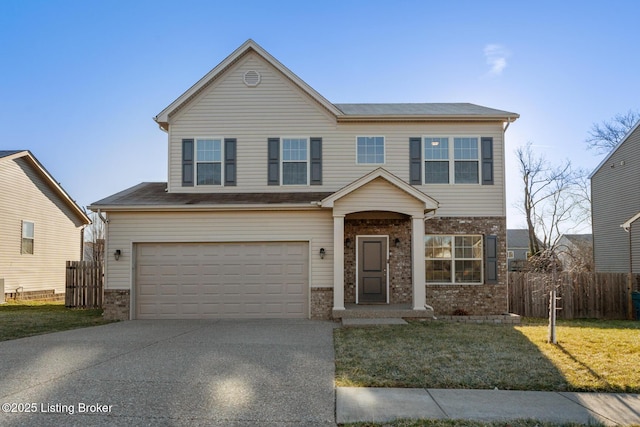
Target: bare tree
x=549, y=203
x=94, y=238
x=605, y=136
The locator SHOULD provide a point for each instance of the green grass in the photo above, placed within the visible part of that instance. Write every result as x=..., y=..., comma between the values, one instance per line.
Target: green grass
x=467, y=423
x=590, y=356
x=24, y=319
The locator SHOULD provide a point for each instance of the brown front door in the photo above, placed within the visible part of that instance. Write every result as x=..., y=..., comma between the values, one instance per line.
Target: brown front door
x=372, y=269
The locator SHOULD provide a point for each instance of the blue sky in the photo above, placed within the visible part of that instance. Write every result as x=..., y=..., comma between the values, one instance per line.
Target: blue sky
x=81, y=80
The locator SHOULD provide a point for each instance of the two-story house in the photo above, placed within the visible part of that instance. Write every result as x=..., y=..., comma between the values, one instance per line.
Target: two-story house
x=615, y=207
x=282, y=204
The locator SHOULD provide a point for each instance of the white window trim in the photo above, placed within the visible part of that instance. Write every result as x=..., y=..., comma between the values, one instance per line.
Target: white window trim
x=384, y=149
x=283, y=161
x=32, y=238
x=454, y=259
x=451, y=159
x=511, y=255
x=195, y=161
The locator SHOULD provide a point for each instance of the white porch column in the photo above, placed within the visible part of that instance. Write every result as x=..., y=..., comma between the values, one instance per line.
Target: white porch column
x=338, y=262
x=417, y=262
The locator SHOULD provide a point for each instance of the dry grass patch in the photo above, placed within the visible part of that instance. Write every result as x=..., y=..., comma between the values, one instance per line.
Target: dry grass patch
x=24, y=319
x=467, y=423
x=484, y=356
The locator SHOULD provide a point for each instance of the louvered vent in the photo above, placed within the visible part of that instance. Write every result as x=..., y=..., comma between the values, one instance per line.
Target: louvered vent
x=252, y=78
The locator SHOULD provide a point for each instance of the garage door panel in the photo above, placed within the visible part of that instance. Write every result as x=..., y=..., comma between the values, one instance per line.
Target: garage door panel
x=212, y=280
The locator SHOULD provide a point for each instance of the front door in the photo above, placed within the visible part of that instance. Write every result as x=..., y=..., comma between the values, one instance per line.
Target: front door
x=372, y=269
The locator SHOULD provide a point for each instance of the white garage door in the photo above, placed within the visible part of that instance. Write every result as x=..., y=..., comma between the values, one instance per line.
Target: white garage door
x=214, y=280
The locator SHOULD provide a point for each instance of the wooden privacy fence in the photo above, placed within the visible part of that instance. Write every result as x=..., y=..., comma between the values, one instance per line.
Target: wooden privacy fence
x=84, y=284
x=583, y=295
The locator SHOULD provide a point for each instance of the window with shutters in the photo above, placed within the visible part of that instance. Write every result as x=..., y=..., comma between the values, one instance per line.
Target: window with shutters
x=446, y=162
x=370, y=149
x=453, y=259
x=295, y=161
x=209, y=161
x=28, y=237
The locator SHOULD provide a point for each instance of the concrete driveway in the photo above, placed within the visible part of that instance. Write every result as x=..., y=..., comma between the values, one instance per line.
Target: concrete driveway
x=241, y=372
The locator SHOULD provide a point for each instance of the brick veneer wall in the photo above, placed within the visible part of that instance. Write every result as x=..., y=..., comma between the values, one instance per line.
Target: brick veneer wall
x=117, y=304
x=321, y=303
x=400, y=283
x=474, y=300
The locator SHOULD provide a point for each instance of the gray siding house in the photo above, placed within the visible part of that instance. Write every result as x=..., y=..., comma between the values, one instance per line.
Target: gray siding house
x=615, y=201
x=517, y=248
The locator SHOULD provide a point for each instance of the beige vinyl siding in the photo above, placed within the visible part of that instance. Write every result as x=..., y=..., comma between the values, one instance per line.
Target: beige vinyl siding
x=276, y=108
x=615, y=190
x=128, y=228
x=381, y=195
x=57, y=234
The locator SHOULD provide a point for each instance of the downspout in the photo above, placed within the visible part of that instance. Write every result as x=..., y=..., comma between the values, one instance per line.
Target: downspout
x=504, y=197
x=627, y=228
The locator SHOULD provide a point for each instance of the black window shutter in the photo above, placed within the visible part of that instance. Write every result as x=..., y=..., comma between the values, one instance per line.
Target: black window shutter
x=415, y=161
x=487, y=161
x=230, y=162
x=187, y=162
x=273, y=155
x=491, y=264
x=316, y=161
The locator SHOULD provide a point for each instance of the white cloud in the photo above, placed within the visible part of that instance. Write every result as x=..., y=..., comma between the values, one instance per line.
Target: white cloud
x=496, y=57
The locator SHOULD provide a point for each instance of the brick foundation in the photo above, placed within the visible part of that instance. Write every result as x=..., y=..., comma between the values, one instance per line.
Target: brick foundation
x=46, y=295
x=472, y=300
x=321, y=303
x=400, y=283
x=117, y=304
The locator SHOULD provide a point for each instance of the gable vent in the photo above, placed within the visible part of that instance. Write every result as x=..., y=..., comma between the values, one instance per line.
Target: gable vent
x=251, y=78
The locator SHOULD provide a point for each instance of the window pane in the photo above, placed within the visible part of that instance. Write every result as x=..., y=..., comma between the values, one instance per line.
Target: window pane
x=468, y=247
x=438, y=271
x=294, y=173
x=436, y=148
x=209, y=150
x=209, y=174
x=437, y=246
x=436, y=172
x=465, y=148
x=370, y=149
x=294, y=149
x=466, y=172
x=27, y=229
x=468, y=271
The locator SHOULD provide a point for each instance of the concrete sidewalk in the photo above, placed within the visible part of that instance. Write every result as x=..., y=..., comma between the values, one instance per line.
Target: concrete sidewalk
x=355, y=404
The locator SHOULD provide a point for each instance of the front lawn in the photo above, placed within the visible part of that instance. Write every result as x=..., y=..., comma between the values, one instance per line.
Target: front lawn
x=467, y=423
x=590, y=356
x=23, y=319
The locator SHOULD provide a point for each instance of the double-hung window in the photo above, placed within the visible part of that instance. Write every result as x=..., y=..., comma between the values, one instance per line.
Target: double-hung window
x=370, y=149
x=209, y=161
x=28, y=237
x=438, y=156
x=465, y=152
x=295, y=159
x=453, y=259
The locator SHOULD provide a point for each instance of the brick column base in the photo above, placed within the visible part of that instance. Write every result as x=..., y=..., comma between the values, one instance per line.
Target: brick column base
x=321, y=303
x=117, y=304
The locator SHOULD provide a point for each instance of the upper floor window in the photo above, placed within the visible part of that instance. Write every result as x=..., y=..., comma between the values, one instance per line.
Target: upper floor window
x=209, y=162
x=295, y=158
x=438, y=167
x=370, y=149
x=28, y=237
x=453, y=259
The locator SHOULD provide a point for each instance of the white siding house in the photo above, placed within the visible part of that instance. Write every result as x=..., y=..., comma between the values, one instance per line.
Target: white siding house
x=40, y=227
x=396, y=204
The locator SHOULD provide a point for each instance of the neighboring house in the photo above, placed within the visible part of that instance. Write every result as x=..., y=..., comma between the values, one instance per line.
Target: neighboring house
x=575, y=252
x=282, y=204
x=615, y=207
x=40, y=227
x=93, y=251
x=517, y=249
